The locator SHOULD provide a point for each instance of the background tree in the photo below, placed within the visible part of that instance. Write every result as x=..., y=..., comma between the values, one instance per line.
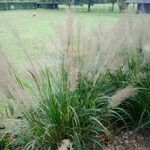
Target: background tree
x=90, y=3
x=122, y=5
x=113, y=4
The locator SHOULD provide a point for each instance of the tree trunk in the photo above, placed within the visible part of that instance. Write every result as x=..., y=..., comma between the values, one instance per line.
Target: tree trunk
x=53, y=4
x=112, y=9
x=89, y=7
x=69, y=3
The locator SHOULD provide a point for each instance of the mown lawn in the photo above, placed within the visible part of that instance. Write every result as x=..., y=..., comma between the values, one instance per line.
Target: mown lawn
x=20, y=29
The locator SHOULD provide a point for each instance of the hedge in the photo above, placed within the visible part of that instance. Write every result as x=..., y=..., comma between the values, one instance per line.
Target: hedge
x=47, y=5
x=17, y=5
x=27, y=5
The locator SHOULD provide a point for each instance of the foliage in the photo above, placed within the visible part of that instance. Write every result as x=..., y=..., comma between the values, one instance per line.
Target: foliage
x=17, y=5
x=121, y=4
x=138, y=106
x=113, y=3
x=3, y=141
x=83, y=115
x=63, y=114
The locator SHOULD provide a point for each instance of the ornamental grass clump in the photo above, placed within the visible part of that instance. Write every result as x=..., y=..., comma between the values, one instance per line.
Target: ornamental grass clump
x=62, y=114
x=98, y=85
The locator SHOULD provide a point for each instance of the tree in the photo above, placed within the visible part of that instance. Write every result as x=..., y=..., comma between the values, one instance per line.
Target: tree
x=113, y=3
x=90, y=3
x=66, y=2
x=121, y=4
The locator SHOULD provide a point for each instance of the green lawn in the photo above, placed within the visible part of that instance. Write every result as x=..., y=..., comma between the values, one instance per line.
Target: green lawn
x=35, y=32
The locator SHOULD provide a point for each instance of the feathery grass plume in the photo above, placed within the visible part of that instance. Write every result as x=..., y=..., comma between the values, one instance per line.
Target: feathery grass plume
x=122, y=95
x=128, y=36
x=146, y=52
x=134, y=31
x=114, y=44
x=71, y=48
x=5, y=77
x=12, y=94
x=81, y=49
x=65, y=145
x=92, y=48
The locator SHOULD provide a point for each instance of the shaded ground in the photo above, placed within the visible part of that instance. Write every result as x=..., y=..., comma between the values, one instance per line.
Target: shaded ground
x=124, y=141
x=130, y=141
